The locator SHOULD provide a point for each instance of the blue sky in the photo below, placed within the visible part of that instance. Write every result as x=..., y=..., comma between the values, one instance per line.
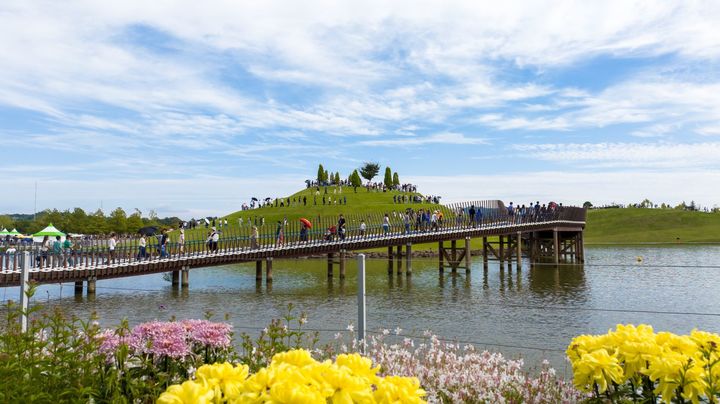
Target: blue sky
x=191, y=108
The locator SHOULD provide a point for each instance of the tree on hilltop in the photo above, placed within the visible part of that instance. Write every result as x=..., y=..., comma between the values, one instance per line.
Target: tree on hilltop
x=369, y=170
x=388, y=178
x=587, y=205
x=320, y=174
x=355, y=180
x=396, y=179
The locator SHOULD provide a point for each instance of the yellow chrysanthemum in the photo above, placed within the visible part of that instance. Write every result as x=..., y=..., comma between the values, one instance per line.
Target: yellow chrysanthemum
x=186, y=393
x=224, y=378
x=397, y=389
x=599, y=368
x=295, y=357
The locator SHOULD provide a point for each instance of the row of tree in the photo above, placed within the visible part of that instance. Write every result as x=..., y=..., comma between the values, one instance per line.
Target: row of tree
x=648, y=204
x=368, y=170
x=78, y=221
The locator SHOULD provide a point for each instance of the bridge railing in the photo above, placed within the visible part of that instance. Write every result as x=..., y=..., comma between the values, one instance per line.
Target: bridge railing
x=94, y=252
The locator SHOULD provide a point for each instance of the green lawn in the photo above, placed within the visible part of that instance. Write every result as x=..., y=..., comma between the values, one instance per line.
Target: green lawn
x=624, y=226
x=651, y=225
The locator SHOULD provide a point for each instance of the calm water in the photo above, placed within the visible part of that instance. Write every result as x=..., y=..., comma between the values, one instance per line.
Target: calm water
x=509, y=311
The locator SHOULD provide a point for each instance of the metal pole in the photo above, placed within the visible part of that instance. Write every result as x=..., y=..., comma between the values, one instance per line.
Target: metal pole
x=24, y=279
x=361, y=300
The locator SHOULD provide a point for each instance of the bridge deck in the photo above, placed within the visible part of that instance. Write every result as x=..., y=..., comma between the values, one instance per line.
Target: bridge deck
x=10, y=276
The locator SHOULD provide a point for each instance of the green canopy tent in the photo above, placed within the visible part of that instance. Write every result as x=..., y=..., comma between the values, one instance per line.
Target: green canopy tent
x=14, y=232
x=4, y=232
x=51, y=231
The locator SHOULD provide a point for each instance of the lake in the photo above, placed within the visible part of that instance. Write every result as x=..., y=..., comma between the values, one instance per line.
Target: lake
x=532, y=313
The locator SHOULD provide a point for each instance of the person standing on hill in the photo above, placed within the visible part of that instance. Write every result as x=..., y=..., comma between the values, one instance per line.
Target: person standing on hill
x=304, y=200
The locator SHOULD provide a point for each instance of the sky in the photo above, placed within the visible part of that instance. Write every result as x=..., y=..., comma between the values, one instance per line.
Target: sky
x=191, y=108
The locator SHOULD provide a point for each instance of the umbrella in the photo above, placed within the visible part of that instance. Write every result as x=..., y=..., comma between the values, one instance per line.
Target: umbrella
x=148, y=231
x=306, y=222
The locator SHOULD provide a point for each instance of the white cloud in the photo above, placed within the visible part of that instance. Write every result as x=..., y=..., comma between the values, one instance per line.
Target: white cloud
x=447, y=138
x=662, y=154
x=576, y=187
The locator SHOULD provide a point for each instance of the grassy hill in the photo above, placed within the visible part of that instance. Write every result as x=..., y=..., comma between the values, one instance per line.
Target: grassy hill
x=623, y=226
x=651, y=225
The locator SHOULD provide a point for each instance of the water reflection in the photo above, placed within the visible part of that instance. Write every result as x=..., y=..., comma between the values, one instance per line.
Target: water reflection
x=538, y=305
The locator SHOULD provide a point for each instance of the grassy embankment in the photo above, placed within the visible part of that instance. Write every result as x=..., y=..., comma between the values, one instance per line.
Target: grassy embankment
x=368, y=205
x=611, y=226
x=628, y=226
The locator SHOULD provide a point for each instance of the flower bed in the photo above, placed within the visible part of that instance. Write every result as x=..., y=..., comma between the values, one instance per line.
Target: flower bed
x=635, y=363
x=295, y=377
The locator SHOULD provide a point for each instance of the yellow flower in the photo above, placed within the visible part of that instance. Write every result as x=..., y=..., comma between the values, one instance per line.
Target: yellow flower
x=397, y=389
x=599, y=368
x=188, y=392
x=295, y=357
x=224, y=378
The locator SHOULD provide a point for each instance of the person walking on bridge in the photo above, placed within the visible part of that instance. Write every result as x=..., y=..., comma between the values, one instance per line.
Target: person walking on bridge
x=386, y=224
x=254, y=237
x=341, y=227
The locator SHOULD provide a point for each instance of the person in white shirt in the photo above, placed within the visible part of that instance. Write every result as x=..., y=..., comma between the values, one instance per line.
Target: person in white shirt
x=111, y=248
x=142, y=244
x=363, y=226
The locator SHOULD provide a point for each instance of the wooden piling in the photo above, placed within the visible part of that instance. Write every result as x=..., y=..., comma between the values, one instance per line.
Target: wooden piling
x=268, y=270
x=258, y=270
x=342, y=264
x=468, y=259
x=519, y=250
x=408, y=259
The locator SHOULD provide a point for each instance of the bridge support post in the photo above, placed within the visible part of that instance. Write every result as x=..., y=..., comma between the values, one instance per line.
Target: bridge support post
x=581, y=248
x=485, y=253
x=258, y=271
x=390, y=260
x=90, y=286
x=467, y=255
x=519, y=250
x=453, y=256
x=441, y=251
x=268, y=270
x=175, y=278
x=342, y=264
x=330, y=258
x=556, y=247
x=408, y=259
x=78, y=288
x=185, y=277
x=501, y=248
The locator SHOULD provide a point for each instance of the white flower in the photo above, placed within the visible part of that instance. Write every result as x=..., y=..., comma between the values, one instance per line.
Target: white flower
x=398, y=330
x=338, y=336
x=385, y=332
x=351, y=327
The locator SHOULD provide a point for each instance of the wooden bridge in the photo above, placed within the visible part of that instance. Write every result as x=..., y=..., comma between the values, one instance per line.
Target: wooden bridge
x=541, y=235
